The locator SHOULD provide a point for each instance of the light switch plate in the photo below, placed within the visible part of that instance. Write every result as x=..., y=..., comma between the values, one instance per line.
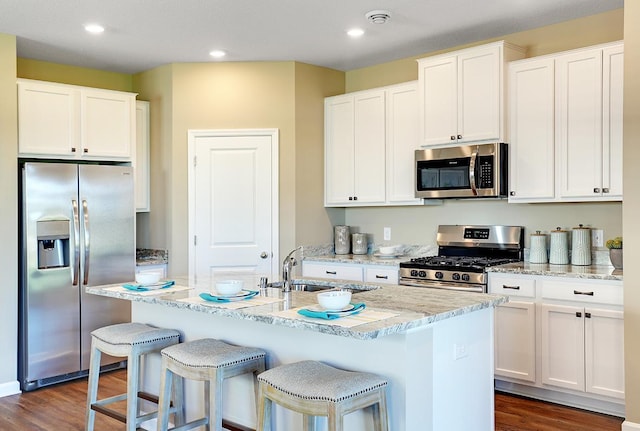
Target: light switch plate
x=597, y=238
x=387, y=233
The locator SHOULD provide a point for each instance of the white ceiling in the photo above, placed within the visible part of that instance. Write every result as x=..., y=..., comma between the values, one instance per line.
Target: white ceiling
x=143, y=34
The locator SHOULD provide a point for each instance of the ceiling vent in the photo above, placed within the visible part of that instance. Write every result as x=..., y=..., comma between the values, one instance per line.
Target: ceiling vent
x=378, y=16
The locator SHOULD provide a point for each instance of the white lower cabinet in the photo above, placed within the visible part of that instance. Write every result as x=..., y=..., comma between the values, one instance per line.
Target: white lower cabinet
x=381, y=274
x=515, y=328
x=560, y=334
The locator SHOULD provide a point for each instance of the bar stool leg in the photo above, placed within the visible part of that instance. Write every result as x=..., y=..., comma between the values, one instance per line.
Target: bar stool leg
x=180, y=416
x=92, y=391
x=308, y=423
x=166, y=383
x=264, y=409
x=133, y=369
x=216, y=401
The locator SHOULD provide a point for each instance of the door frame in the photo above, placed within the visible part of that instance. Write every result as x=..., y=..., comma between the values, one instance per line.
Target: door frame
x=192, y=137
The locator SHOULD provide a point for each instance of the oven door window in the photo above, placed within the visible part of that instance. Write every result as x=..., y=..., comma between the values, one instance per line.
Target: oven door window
x=450, y=174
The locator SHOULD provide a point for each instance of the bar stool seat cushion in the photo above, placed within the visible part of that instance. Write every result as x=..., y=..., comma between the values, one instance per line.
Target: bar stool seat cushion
x=312, y=380
x=211, y=353
x=132, y=334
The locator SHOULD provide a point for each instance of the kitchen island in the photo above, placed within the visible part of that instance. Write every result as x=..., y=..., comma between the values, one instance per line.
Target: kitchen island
x=434, y=346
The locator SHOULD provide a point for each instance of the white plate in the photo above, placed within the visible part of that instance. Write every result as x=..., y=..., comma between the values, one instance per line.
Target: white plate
x=240, y=294
x=152, y=286
x=319, y=308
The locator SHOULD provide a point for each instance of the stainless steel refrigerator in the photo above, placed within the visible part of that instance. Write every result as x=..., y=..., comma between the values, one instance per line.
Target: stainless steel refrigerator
x=77, y=230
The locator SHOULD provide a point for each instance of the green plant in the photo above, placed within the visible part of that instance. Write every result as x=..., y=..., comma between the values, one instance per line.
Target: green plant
x=614, y=243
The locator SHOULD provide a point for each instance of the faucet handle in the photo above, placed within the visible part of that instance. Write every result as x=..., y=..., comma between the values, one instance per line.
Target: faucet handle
x=264, y=281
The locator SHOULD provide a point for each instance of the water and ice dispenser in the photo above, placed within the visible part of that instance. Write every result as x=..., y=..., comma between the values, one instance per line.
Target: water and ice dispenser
x=53, y=244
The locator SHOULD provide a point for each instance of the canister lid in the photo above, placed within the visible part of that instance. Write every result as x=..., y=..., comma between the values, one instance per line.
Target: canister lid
x=538, y=233
x=581, y=226
x=558, y=230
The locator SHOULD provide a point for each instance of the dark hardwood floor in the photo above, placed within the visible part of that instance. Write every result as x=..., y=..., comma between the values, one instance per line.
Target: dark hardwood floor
x=62, y=408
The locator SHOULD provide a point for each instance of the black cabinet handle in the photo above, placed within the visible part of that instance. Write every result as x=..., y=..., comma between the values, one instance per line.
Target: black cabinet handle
x=512, y=193
x=459, y=136
x=350, y=198
x=384, y=277
x=587, y=315
x=331, y=272
x=453, y=138
x=355, y=198
x=504, y=286
x=577, y=292
x=578, y=314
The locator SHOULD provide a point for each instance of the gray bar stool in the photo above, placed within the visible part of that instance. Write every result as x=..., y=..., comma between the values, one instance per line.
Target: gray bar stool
x=130, y=340
x=206, y=360
x=316, y=389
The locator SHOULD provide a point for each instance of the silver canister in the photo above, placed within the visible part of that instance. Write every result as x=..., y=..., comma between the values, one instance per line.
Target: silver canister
x=341, y=239
x=359, y=243
x=559, y=247
x=538, y=251
x=581, y=246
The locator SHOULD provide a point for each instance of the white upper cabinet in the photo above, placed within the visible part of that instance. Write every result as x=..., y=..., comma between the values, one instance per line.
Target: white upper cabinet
x=566, y=126
x=71, y=122
x=462, y=94
x=370, y=139
x=142, y=157
x=532, y=128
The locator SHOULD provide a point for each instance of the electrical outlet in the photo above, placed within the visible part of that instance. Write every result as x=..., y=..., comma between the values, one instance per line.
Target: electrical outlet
x=597, y=238
x=387, y=233
x=460, y=351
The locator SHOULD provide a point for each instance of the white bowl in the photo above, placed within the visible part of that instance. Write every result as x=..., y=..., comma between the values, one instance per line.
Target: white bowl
x=229, y=287
x=388, y=249
x=147, y=277
x=334, y=299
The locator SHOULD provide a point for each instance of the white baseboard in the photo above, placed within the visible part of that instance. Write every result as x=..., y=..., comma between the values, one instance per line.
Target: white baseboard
x=9, y=388
x=630, y=426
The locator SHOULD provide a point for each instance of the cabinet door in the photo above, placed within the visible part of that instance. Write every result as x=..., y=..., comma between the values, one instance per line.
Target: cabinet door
x=515, y=340
x=402, y=141
x=108, y=124
x=339, y=149
x=479, y=76
x=531, y=149
x=369, y=147
x=47, y=119
x=604, y=352
x=142, y=156
x=438, y=82
x=579, y=124
x=562, y=346
x=612, y=93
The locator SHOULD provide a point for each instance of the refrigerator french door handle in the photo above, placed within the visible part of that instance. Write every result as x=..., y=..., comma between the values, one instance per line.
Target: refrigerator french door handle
x=87, y=242
x=76, y=248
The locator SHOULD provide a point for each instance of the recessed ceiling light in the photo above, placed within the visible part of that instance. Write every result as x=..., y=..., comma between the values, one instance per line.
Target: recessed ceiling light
x=355, y=32
x=216, y=53
x=94, y=28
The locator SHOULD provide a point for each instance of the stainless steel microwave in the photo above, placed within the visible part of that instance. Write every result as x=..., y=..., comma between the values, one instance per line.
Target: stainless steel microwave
x=465, y=171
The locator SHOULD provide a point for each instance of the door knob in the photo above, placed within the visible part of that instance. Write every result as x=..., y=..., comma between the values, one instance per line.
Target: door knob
x=264, y=255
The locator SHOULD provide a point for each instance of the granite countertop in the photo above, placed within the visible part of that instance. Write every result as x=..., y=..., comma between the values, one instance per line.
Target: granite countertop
x=149, y=256
x=414, y=307
x=405, y=252
x=594, y=272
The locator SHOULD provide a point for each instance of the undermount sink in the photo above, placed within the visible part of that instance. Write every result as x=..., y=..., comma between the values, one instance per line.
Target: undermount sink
x=310, y=287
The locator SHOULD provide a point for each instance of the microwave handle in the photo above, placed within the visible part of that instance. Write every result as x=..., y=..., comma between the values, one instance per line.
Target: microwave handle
x=472, y=171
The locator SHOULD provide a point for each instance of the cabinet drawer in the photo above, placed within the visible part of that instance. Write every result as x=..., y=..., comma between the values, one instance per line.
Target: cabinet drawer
x=377, y=274
x=583, y=291
x=339, y=272
x=512, y=286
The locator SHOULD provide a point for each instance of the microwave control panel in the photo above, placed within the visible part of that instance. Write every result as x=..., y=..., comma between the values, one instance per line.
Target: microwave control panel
x=485, y=172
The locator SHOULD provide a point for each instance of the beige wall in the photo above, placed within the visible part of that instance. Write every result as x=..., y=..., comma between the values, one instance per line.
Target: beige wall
x=8, y=209
x=282, y=95
x=65, y=74
x=313, y=225
x=631, y=209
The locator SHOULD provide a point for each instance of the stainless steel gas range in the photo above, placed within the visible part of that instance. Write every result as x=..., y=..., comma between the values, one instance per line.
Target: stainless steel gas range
x=464, y=253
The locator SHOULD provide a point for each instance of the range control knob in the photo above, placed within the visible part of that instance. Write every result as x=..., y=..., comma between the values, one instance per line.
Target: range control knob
x=414, y=272
x=455, y=276
x=439, y=275
x=465, y=277
x=422, y=273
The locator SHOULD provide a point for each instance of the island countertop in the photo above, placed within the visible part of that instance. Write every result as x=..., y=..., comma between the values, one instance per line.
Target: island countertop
x=411, y=307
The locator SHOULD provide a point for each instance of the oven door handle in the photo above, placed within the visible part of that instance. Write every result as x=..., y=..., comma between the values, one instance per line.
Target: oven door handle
x=472, y=171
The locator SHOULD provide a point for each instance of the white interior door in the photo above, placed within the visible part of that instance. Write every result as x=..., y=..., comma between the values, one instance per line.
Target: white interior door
x=233, y=201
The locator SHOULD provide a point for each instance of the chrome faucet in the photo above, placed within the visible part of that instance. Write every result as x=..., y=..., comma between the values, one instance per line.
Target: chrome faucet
x=287, y=264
